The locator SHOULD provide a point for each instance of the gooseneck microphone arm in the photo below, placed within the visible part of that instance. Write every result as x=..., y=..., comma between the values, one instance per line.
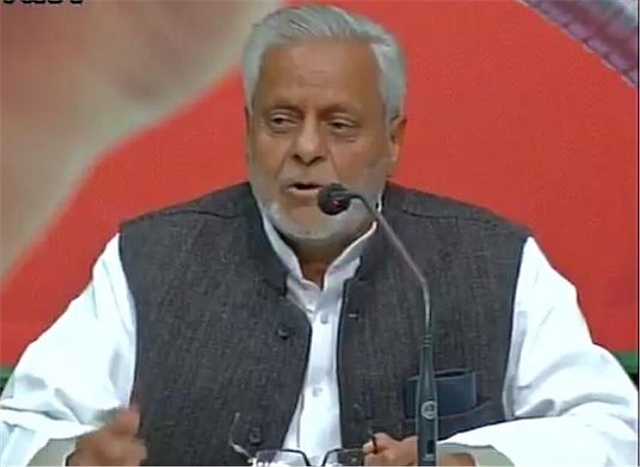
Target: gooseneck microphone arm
x=334, y=199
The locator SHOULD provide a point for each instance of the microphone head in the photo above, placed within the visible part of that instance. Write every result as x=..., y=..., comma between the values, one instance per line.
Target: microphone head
x=334, y=199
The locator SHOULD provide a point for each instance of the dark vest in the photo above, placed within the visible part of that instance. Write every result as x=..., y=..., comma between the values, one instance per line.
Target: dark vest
x=216, y=335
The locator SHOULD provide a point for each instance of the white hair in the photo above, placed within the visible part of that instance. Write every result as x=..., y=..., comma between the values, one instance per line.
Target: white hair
x=295, y=24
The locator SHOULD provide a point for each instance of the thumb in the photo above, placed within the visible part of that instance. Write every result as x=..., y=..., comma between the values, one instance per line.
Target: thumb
x=126, y=422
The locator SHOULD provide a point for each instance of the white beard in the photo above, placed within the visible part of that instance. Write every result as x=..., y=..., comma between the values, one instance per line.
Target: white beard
x=331, y=229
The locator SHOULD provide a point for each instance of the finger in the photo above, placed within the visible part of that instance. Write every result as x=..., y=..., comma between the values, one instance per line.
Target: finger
x=111, y=449
x=90, y=447
x=109, y=446
x=120, y=451
x=135, y=453
x=394, y=452
x=96, y=454
x=126, y=422
x=456, y=459
x=382, y=458
x=369, y=448
x=382, y=441
x=375, y=459
x=104, y=447
x=408, y=454
x=140, y=450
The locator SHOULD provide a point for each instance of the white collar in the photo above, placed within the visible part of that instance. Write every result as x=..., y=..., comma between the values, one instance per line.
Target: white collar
x=347, y=258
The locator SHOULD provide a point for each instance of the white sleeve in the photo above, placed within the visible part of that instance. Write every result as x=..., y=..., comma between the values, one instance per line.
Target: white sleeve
x=567, y=401
x=71, y=378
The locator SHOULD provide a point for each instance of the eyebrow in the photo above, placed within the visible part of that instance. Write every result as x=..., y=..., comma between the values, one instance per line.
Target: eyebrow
x=282, y=106
x=328, y=110
x=343, y=108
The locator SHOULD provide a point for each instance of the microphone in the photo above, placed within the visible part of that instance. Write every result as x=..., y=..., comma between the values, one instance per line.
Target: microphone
x=334, y=199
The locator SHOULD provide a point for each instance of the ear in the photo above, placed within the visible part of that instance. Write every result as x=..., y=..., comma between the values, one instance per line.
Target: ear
x=247, y=132
x=397, y=129
x=247, y=119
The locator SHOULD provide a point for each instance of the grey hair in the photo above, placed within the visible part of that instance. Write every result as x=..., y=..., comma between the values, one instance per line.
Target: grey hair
x=294, y=24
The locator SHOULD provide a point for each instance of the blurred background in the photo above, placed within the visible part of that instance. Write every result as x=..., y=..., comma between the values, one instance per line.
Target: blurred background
x=505, y=109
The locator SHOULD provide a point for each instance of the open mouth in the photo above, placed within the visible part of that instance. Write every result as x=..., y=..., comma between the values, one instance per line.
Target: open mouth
x=304, y=190
x=305, y=186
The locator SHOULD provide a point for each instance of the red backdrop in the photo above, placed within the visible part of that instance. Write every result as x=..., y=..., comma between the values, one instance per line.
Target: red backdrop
x=505, y=111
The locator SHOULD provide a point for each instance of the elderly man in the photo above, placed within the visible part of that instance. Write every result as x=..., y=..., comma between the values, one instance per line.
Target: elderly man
x=247, y=321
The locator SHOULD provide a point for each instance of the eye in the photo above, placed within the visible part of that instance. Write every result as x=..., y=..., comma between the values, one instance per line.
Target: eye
x=281, y=123
x=342, y=127
x=339, y=125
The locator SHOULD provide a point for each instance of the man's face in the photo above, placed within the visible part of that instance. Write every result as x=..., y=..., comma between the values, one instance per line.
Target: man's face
x=318, y=118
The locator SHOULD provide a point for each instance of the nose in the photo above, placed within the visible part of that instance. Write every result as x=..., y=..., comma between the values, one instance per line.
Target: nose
x=309, y=146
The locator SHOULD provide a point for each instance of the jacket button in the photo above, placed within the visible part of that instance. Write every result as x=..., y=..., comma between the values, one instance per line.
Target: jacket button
x=254, y=437
x=358, y=412
x=284, y=332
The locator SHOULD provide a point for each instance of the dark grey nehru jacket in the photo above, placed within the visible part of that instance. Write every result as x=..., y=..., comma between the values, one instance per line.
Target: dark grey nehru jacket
x=217, y=336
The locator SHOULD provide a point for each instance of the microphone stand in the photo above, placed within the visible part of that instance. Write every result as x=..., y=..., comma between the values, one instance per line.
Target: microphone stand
x=426, y=395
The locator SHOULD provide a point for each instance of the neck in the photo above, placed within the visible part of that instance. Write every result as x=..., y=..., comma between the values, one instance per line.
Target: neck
x=315, y=257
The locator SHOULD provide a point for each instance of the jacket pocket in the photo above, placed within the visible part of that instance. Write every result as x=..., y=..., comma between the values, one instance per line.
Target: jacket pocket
x=449, y=425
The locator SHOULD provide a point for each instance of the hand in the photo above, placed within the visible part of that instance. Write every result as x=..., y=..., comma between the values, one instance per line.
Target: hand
x=114, y=444
x=81, y=78
x=393, y=452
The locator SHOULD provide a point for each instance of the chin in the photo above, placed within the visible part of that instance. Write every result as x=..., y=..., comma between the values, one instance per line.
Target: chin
x=303, y=225
x=305, y=229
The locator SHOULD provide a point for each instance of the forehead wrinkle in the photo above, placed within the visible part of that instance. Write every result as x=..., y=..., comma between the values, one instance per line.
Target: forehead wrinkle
x=320, y=72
